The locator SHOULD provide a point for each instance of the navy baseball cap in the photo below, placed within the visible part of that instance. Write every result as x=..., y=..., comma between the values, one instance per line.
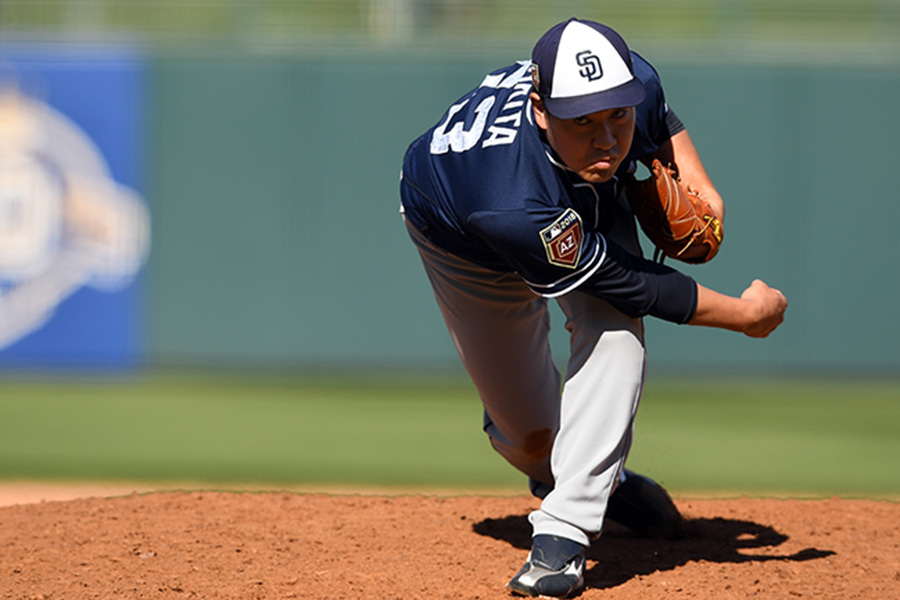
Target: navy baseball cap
x=582, y=67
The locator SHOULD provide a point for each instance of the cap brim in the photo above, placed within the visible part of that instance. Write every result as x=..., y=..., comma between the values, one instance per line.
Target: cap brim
x=628, y=94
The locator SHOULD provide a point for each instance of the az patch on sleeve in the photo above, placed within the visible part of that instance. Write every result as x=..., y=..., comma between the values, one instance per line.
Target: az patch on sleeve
x=562, y=240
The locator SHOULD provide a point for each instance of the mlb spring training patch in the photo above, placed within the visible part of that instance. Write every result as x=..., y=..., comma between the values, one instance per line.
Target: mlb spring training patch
x=562, y=240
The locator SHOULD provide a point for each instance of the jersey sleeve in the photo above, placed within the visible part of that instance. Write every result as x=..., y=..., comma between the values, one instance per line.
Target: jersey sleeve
x=655, y=122
x=673, y=123
x=555, y=254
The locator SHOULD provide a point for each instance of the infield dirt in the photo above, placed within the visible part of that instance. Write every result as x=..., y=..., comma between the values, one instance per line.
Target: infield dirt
x=173, y=544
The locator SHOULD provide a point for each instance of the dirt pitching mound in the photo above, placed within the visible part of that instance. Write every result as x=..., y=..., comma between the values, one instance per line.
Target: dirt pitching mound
x=317, y=546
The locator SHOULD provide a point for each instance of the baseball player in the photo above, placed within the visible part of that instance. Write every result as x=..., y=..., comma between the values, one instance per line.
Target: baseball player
x=525, y=191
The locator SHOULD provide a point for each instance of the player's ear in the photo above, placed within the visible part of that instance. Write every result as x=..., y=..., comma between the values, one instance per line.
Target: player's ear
x=540, y=113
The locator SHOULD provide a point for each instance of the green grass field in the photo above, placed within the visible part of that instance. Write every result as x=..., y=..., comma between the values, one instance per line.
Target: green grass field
x=735, y=436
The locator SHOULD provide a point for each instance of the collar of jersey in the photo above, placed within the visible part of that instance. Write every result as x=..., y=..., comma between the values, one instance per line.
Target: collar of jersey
x=557, y=163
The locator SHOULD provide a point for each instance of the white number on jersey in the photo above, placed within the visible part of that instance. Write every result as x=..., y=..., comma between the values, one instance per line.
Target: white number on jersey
x=458, y=138
x=504, y=128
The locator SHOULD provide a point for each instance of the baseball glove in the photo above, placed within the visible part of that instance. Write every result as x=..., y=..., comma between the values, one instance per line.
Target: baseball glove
x=675, y=218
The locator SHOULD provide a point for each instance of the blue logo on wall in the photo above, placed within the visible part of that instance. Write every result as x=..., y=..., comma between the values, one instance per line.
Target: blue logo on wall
x=74, y=232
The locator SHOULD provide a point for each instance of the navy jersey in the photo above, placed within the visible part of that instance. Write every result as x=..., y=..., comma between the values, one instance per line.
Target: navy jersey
x=485, y=185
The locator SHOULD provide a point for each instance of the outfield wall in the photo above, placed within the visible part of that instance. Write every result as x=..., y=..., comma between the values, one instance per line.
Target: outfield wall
x=276, y=240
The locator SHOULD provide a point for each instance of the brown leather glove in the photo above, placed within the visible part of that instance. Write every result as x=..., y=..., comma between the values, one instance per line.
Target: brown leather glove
x=676, y=219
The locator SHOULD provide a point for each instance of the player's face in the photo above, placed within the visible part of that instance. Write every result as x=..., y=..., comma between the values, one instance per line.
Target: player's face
x=593, y=145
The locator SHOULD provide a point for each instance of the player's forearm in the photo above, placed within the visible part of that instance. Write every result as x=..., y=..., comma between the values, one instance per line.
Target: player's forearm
x=718, y=310
x=756, y=313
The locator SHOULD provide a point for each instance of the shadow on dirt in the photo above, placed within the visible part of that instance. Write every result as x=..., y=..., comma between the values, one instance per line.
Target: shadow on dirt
x=620, y=556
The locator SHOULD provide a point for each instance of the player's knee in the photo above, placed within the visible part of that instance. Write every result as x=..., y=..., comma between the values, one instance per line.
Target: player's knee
x=537, y=444
x=530, y=454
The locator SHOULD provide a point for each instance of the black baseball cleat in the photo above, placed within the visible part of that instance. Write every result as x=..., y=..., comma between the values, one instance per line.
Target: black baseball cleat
x=644, y=507
x=554, y=569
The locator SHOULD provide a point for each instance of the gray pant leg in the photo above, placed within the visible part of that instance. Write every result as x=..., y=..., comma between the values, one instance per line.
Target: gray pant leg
x=500, y=329
x=599, y=402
